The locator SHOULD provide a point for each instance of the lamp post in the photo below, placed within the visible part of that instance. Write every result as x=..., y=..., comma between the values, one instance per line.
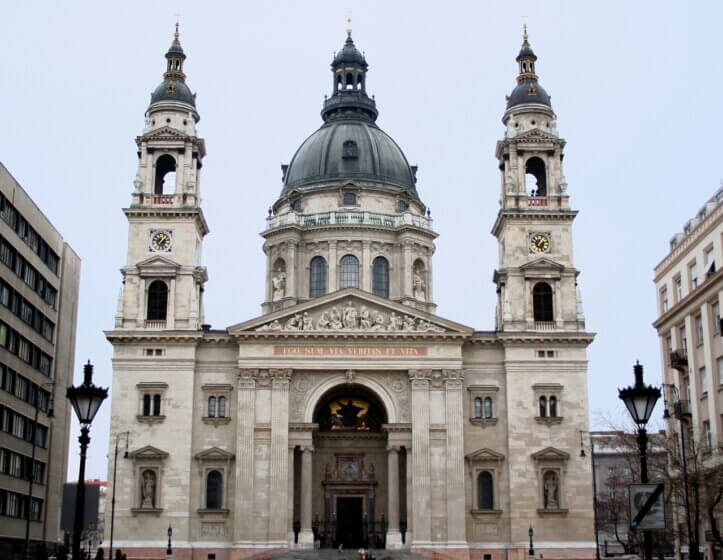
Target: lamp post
x=86, y=400
x=640, y=401
x=112, y=501
x=531, y=552
x=31, y=471
x=680, y=414
x=169, y=550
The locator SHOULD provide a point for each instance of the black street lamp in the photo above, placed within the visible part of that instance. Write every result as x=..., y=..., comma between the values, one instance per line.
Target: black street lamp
x=640, y=401
x=112, y=502
x=531, y=552
x=86, y=400
x=169, y=551
x=31, y=472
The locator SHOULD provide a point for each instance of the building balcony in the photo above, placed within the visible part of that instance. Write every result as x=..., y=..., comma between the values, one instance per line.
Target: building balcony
x=348, y=218
x=544, y=325
x=682, y=409
x=163, y=200
x=155, y=324
x=679, y=360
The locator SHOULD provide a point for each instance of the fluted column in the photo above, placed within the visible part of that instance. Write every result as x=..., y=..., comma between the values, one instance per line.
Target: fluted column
x=332, y=280
x=366, y=269
x=292, y=288
x=290, y=494
x=244, y=498
x=456, y=533
x=408, y=537
x=306, y=536
x=394, y=537
x=421, y=487
x=278, y=499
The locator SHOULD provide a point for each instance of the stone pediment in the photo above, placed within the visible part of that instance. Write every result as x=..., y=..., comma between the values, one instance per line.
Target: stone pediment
x=148, y=452
x=157, y=265
x=351, y=311
x=485, y=455
x=165, y=133
x=543, y=263
x=550, y=454
x=214, y=454
x=536, y=135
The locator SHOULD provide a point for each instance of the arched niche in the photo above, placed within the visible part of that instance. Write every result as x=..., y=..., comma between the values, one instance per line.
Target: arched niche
x=317, y=396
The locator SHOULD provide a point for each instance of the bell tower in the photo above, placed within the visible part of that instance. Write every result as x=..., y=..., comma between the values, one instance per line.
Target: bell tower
x=536, y=278
x=163, y=279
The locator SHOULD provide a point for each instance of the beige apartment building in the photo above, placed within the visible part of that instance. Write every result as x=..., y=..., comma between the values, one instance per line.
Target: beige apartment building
x=349, y=412
x=39, y=280
x=689, y=285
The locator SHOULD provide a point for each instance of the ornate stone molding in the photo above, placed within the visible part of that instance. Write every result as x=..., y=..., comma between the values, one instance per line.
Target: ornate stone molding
x=419, y=378
x=281, y=376
x=246, y=378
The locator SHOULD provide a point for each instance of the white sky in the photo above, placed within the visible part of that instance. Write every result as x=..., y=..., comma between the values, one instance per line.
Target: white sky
x=635, y=86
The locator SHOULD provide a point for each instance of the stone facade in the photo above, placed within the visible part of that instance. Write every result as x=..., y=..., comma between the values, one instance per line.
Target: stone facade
x=349, y=412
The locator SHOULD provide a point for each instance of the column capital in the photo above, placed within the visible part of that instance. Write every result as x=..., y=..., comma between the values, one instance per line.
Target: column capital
x=455, y=378
x=247, y=378
x=306, y=448
x=419, y=378
x=394, y=448
x=280, y=376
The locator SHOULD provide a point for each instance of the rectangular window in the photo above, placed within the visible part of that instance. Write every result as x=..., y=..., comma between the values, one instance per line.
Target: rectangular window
x=678, y=289
x=16, y=465
x=703, y=381
x=664, y=300
x=693, y=271
x=686, y=387
x=13, y=505
x=26, y=312
x=715, y=311
x=707, y=436
x=6, y=254
x=45, y=363
x=683, y=339
x=720, y=371
x=30, y=276
x=24, y=350
x=21, y=388
x=698, y=330
x=36, y=508
x=38, y=472
x=18, y=425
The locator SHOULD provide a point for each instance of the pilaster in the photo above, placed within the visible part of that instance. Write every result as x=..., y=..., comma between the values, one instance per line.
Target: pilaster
x=243, y=514
x=278, y=499
x=421, y=486
x=456, y=533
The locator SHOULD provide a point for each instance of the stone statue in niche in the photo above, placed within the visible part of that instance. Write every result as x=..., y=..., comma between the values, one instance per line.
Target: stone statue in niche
x=148, y=489
x=278, y=283
x=551, y=488
x=418, y=285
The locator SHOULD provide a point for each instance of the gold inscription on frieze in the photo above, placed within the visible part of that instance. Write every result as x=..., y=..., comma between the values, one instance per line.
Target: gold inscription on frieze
x=351, y=351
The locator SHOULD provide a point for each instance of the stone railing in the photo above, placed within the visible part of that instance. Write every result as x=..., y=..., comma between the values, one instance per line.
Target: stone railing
x=155, y=324
x=342, y=218
x=161, y=200
x=544, y=325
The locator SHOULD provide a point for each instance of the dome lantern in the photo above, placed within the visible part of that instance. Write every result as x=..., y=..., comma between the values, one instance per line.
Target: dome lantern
x=173, y=88
x=528, y=90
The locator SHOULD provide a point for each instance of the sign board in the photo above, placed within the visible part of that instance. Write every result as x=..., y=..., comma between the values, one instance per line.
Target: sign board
x=640, y=495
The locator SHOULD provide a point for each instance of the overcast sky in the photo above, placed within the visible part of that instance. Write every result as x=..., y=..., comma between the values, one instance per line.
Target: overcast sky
x=635, y=86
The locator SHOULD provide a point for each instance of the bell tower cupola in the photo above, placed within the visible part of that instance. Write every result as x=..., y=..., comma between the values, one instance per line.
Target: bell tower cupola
x=163, y=279
x=536, y=280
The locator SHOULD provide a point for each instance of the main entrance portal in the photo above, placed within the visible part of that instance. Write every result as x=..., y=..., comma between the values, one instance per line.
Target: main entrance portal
x=350, y=527
x=350, y=469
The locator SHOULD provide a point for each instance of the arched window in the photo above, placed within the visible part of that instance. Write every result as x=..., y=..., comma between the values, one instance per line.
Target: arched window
x=146, y=405
x=553, y=407
x=477, y=407
x=488, y=407
x=349, y=81
x=317, y=277
x=211, y=407
x=536, y=177
x=543, y=407
x=222, y=407
x=156, y=405
x=165, y=175
x=542, y=302
x=485, y=491
x=348, y=272
x=157, y=301
x=380, y=277
x=214, y=490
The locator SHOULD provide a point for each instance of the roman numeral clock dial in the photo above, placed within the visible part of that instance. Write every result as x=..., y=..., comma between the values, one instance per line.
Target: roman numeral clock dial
x=161, y=241
x=540, y=243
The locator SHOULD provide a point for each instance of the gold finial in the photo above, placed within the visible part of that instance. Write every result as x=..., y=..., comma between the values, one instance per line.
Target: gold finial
x=178, y=24
x=348, y=26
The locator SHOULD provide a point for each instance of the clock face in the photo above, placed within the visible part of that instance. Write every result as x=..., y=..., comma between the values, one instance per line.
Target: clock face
x=161, y=241
x=540, y=243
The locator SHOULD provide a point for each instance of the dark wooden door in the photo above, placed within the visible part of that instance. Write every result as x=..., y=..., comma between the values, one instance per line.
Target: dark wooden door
x=349, y=522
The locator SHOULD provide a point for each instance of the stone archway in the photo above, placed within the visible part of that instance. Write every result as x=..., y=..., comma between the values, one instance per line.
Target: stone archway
x=349, y=477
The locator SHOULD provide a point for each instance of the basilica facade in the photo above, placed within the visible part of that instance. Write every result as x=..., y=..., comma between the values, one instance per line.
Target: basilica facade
x=349, y=413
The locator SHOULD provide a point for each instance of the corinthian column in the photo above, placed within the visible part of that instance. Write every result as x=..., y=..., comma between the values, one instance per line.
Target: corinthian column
x=306, y=536
x=456, y=533
x=244, y=498
x=394, y=537
x=278, y=500
x=421, y=487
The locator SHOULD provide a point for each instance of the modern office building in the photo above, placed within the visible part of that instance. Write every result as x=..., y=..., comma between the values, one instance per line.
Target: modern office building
x=39, y=280
x=689, y=287
x=349, y=412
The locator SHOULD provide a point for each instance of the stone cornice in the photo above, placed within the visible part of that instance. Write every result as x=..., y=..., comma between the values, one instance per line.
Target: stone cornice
x=536, y=214
x=692, y=301
x=176, y=212
x=556, y=337
x=154, y=336
x=349, y=335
